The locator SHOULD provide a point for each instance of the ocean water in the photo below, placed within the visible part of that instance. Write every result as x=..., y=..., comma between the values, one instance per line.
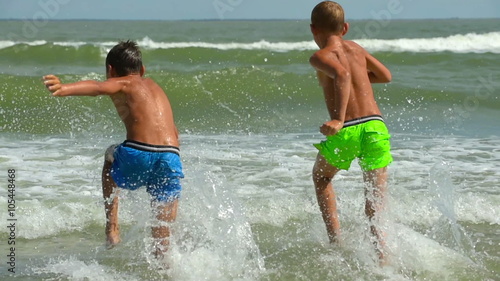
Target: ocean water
x=248, y=108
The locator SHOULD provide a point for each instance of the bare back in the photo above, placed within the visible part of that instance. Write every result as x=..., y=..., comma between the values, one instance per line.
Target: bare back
x=146, y=112
x=361, y=100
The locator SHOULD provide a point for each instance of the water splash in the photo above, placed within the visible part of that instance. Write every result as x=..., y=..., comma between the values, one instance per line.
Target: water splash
x=443, y=191
x=214, y=235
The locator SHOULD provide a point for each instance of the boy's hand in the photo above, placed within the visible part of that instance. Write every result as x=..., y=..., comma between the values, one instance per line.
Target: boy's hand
x=332, y=127
x=52, y=83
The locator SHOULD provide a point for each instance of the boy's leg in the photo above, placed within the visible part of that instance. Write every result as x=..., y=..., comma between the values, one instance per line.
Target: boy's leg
x=375, y=192
x=323, y=174
x=166, y=213
x=110, y=194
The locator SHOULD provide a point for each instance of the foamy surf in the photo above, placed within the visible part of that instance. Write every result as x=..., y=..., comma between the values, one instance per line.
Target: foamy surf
x=248, y=109
x=74, y=268
x=458, y=43
x=248, y=206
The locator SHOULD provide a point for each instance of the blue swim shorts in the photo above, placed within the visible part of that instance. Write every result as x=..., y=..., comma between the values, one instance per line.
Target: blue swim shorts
x=158, y=168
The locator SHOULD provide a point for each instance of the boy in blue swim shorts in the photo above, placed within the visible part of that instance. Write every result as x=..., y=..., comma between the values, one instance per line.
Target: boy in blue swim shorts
x=150, y=155
x=157, y=167
x=356, y=129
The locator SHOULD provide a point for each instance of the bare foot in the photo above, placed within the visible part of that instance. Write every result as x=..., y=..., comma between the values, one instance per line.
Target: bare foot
x=112, y=235
x=381, y=250
x=112, y=240
x=383, y=259
x=160, y=248
x=380, y=246
x=335, y=240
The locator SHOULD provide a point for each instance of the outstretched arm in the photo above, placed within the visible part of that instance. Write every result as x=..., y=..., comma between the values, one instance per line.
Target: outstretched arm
x=336, y=93
x=81, y=88
x=377, y=72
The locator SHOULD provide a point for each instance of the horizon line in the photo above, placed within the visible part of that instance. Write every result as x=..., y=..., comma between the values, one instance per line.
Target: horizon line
x=249, y=19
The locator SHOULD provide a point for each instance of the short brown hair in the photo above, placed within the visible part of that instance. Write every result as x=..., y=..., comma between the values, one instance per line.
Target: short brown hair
x=328, y=16
x=125, y=58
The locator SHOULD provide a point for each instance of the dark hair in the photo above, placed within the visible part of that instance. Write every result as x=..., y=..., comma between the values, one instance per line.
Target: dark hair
x=125, y=58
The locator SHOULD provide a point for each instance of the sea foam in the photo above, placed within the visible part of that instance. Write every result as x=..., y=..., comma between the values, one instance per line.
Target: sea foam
x=457, y=43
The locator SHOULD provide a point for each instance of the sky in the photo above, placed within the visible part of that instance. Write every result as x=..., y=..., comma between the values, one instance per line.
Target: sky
x=241, y=9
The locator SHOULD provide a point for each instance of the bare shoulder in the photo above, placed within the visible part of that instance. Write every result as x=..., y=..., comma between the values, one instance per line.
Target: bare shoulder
x=133, y=81
x=353, y=46
x=150, y=83
x=125, y=80
x=325, y=55
x=351, y=43
x=319, y=54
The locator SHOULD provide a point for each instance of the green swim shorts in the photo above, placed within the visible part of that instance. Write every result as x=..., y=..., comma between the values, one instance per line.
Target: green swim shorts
x=365, y=138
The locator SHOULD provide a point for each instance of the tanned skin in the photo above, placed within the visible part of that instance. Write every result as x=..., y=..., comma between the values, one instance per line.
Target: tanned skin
x=146, y=113
x=345, y=72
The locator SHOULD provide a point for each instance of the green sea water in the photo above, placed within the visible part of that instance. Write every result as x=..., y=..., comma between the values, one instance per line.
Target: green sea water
x=250, y=71
x=248, y=107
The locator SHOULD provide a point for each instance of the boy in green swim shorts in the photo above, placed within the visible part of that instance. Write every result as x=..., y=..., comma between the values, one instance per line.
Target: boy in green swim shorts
x=356, y=129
